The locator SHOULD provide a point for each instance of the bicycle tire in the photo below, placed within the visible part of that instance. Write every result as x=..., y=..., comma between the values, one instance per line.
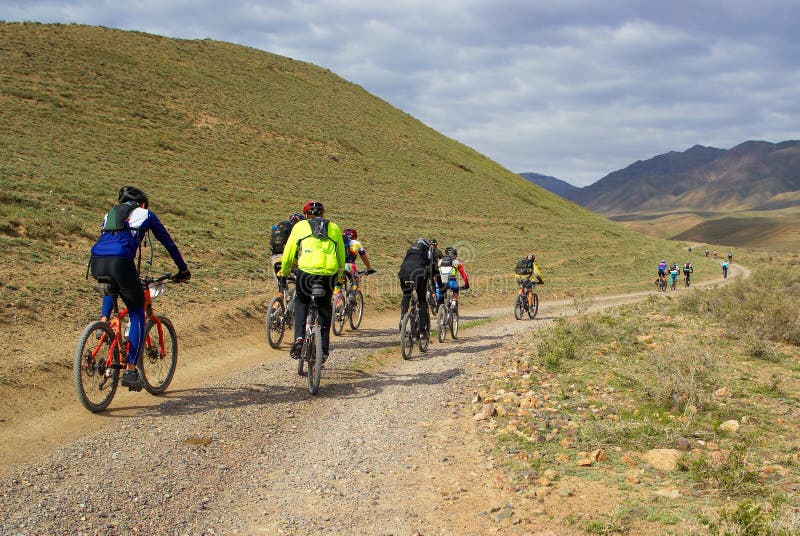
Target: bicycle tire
x=406, y=337
x=275, y=322
x=339, y=314
x=441, y=324
x=424, y=341
x=533, y=310
x=454, y=321
x=357, y=310
x=518, y=306
x=95, y=390
x=157, y=371
x=315, y=357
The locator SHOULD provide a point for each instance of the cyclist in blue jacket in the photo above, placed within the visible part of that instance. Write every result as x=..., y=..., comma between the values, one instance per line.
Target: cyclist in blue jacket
x=113, y=256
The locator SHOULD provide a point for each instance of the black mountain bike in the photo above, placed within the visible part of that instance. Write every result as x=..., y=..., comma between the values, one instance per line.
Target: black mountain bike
x=521, y=305
x=280, y=315
x=661, y=283
x=410, y=328
x=311, y=353
x=447, y=317
x=686, y=280
x=349, y=305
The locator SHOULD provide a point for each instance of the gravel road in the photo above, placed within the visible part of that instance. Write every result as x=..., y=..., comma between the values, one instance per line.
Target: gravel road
x=389, y=451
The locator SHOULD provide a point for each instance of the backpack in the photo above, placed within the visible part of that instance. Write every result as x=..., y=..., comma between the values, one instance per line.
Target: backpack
x=117, y=218
x=279, y=236
x=524, y=267
x=446, y=261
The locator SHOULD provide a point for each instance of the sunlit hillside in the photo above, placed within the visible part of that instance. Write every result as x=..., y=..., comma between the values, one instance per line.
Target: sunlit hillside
x=227, y=140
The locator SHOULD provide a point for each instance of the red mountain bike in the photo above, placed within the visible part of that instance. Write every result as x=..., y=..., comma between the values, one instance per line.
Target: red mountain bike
x=103, y=345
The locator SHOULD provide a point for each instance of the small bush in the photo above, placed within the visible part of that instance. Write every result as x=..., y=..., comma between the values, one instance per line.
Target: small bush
x=729, y=474
x=674, y=377
x=748, y=519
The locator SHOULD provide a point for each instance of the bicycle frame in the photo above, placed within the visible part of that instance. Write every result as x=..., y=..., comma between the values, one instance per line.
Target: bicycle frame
x=115, y=322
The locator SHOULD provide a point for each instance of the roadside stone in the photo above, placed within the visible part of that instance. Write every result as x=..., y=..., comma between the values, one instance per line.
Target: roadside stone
x=552, y=474
x=663, y=459
x=730, y=427
x=682, y=444
x=584, y=462
x=598, y=455
x=669, y=493
x=542, y=491
x=562, y=458
x=723, y=392
x=629, y=460
x=632, y=477
x=565, y=492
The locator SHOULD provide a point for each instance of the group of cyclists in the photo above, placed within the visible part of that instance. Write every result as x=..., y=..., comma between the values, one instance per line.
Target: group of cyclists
x=306, y=249
x=672, y=271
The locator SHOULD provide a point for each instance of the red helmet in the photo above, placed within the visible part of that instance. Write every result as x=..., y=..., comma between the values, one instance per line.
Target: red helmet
x=313, y=208
x=350, y=234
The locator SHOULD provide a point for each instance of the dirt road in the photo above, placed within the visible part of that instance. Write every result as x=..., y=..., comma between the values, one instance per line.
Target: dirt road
x=237, y=446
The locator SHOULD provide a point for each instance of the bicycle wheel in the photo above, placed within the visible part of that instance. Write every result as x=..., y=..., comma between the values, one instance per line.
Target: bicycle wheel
x=339, y=314
x=275, y=324
x=314, y=355
x=518, y=306
x=533, y=310
x=424, y=338
x=356, y=310
x=454, y=321
x=441, y=323
x=406, y=336
x=95, y=382
x=159, y=355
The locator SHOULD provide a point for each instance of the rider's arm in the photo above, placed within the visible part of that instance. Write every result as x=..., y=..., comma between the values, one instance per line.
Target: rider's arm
x=335, y=233
x=463, y=275
x=149, y=221
x=364, y=258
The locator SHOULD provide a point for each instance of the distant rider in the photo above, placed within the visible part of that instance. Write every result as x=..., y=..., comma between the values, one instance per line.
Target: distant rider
x=526, y=271
x=113, y=256
x=662, y=270
x=688, y=270
x=673, y=274
x=413, y=275
x=279, y=236
x=449, y=267
x=725, y=269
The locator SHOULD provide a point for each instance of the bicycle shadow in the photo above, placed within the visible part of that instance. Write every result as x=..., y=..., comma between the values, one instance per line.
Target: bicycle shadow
x=338, y=383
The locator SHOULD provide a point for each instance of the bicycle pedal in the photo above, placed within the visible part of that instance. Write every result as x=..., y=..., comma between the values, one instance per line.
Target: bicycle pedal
x=139, y=388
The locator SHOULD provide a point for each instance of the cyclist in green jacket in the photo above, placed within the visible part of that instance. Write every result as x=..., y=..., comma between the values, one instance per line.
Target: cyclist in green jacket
x=316, y=245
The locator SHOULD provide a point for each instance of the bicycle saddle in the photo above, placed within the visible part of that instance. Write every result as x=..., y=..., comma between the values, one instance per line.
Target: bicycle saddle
x=317, y=290
x=106, y=286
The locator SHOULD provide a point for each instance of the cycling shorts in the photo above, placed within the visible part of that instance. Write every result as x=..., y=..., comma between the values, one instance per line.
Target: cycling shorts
x=452, y=284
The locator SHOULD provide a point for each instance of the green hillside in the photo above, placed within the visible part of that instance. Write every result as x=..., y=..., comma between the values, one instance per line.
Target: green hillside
x=227, y=140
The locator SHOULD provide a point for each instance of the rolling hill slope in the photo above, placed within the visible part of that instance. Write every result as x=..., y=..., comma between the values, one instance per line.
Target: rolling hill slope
x=227, y=140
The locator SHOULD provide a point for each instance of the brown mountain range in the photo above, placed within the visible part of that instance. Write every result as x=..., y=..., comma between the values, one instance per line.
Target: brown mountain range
x=750, y=176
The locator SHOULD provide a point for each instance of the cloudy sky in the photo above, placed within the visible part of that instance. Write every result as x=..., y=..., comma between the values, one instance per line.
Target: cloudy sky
x=570, y=88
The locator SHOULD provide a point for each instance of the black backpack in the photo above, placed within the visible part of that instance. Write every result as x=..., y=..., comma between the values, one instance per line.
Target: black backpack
x=279, y=236
x=524, y=267
x=447, y=260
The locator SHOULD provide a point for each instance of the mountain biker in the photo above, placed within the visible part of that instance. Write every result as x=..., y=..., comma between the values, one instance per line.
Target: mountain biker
x=724, y=269
x=113, y=256
x=413, y=274
x=279, y=235
x=526, y=270
x=673, y=275
x=436, y=255
x=448, y=265
x=688, y=269
x=662, y=270
x=352, y=250
x=316, y=244
x=706, y=252
x=730, y=257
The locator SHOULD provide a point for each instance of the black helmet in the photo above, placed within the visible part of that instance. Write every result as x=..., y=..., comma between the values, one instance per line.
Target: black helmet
x=434, y=242
x=450, y=250
x=132, y=193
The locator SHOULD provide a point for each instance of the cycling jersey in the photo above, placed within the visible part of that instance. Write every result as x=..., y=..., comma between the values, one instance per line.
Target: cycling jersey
x=534, y=275
x=662, y=268
x=448, y=273
x=352, y=249
x=125, y=243
x=316, y=256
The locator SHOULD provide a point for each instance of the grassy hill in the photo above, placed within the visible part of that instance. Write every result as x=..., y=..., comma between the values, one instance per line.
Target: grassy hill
x=227, y=140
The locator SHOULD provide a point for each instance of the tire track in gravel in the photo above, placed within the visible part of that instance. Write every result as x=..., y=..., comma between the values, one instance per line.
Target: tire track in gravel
x=390, y=451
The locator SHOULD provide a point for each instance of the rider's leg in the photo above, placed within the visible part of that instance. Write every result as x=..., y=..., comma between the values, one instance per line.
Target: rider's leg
x=421, y=285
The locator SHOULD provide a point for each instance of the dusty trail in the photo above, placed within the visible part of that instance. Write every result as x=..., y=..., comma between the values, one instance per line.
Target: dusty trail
x=238, y=447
